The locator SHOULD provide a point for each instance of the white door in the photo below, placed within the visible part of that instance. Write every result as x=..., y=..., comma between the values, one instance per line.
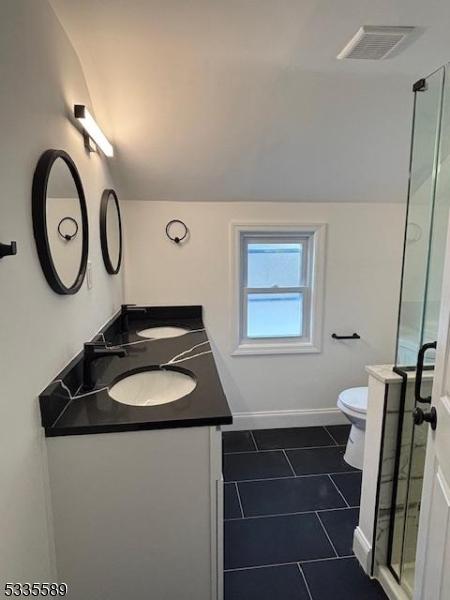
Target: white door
x=432, y=580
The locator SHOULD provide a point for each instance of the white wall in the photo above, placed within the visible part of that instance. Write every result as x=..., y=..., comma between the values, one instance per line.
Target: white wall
x=363, y=261
x=40, y=332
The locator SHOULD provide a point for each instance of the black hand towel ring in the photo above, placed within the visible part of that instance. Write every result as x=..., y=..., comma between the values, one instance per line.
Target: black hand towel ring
x=68, y=236
x=176, y=239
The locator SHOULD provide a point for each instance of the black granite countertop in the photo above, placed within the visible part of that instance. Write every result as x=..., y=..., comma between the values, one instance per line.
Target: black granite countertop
x=66, y=410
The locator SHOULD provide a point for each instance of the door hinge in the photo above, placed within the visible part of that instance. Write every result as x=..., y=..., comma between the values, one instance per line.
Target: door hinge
x=420, y=85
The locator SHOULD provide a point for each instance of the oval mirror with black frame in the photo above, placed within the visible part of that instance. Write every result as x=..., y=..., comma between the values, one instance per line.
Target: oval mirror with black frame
x=58, y=194
x=111, y=231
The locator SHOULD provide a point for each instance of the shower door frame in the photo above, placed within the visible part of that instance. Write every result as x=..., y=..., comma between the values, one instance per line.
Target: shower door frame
x=402, y=370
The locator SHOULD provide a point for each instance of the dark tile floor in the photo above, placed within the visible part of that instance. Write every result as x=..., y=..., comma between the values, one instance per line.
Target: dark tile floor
x=291, y=506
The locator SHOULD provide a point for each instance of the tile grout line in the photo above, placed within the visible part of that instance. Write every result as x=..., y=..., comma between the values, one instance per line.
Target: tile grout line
x=295, y=562
x=342, y=495
x=239, y=500
x=289, y=463
x=299, y=512
x=254, y=440
x=326, y=533
x=259, y=567
x=314, y=560
x=331, y=436
x=282, y=449
x=302, y=575
x=291, y=477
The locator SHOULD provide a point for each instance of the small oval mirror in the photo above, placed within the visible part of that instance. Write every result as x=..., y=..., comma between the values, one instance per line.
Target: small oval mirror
x=111, y=231
x=60, y=221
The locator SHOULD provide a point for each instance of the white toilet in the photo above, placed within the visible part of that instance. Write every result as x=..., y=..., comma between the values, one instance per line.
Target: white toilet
x=353, y=403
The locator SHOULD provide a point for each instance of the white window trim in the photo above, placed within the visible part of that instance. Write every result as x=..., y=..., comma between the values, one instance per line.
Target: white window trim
x=314, y=344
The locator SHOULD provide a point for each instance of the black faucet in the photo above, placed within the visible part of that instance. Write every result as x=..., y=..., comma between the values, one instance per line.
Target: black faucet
x=92, y=351
x=130, y=309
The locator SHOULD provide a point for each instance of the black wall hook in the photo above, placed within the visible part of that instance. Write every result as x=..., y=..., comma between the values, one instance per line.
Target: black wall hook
x=8, y=249
x=176, y=239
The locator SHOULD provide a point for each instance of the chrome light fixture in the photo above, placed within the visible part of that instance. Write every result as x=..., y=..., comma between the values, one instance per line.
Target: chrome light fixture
x=92, y=130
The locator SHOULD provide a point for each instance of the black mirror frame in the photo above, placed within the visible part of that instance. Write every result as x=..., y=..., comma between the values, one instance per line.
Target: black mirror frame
x=103, y=231
x=39, y=205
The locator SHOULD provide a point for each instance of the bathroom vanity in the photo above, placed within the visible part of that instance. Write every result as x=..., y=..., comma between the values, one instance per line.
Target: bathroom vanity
x=133, y=484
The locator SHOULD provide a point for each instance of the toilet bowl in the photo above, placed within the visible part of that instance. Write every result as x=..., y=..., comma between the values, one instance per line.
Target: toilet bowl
x=353, y=403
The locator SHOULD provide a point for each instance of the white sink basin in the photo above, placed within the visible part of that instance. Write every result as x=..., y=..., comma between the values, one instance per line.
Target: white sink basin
x=153, y=387
x=157, y=333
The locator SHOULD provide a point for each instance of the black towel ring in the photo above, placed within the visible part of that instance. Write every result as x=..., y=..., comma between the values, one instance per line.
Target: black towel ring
x=176, y=239
x=68, y=236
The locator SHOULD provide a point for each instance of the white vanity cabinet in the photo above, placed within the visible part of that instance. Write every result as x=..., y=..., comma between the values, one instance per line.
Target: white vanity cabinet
x=138, y=515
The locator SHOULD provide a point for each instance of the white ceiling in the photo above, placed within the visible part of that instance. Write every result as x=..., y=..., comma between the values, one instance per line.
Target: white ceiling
x=244, y=99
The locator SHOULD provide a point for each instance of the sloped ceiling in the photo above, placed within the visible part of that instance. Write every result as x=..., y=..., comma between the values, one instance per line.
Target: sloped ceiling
x=244, y=99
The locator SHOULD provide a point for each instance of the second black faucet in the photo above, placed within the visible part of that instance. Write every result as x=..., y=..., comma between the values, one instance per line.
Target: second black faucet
x=93, y=351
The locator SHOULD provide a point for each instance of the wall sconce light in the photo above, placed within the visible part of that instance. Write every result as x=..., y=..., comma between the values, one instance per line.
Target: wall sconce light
x=92, y=129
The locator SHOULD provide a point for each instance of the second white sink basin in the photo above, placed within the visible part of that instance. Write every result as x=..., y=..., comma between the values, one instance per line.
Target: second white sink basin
x=157, y=333
x=152, y=387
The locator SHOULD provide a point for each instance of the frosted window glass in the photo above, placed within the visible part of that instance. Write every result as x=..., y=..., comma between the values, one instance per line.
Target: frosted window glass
x=271, y=265
x=275, y=315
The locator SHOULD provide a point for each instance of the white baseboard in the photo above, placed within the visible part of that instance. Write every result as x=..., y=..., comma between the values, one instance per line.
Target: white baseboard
x=391, y=588
x=363, y=550
x=286, y=418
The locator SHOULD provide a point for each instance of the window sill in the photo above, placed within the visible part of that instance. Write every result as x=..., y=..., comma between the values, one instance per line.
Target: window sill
x=280, y=348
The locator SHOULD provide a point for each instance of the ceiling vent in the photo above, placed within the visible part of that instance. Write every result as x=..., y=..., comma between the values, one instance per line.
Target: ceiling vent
x=375, y=42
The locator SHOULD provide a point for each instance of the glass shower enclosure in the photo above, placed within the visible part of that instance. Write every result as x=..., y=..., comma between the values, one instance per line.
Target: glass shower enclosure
x=423, y=262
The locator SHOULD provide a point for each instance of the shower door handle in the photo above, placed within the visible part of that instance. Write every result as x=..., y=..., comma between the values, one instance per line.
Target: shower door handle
x=419, y=372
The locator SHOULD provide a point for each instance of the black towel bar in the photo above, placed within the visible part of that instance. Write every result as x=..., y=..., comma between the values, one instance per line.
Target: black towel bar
x=354, y=336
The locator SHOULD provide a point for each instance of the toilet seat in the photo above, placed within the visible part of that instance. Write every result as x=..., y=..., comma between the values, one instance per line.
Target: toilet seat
x=355, y=399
